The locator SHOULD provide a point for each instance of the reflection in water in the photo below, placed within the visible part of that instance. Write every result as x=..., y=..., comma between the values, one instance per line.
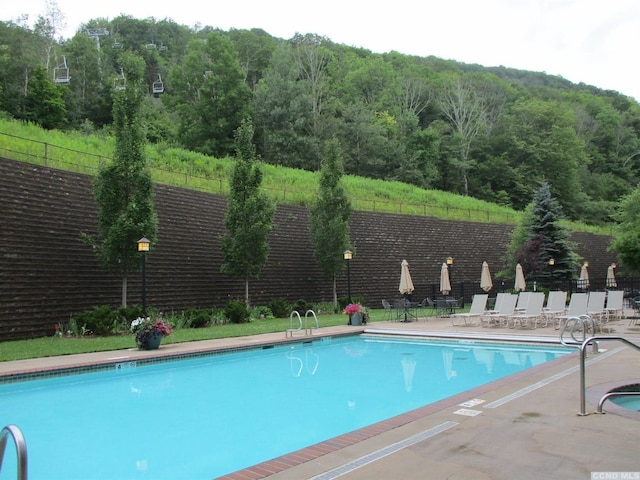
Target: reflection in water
x=447, y=358
x=408, y=369
x=309, y=364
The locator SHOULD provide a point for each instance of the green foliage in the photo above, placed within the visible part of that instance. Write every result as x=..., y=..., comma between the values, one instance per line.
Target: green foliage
x=301, y=306
x=540, y=238
x=261, y=312
x=249, y=216
x=280, y=307
x=329, y=215
x=123, y=189
x=626, y=240
x=237, y=312
x=104, y=320
x=194, y=318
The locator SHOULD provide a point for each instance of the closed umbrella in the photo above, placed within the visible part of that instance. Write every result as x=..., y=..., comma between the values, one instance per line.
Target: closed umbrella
x=611, y=277
x=445, y=285
x=583, y=281
x=520, y=284
x=485, y=278
x=406, y=285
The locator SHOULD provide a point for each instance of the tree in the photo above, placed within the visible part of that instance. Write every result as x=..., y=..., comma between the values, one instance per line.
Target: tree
x=209, y=95
x=626, y=238
x=44, y=104
x=249, y=216
x=123, y=189
x=540, y=238
x=329, y=216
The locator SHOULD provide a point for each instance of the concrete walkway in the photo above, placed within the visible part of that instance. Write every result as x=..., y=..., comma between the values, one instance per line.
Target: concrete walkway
x=526, y=427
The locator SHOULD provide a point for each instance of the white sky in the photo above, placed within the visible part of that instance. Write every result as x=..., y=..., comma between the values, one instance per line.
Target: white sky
x=590, y=41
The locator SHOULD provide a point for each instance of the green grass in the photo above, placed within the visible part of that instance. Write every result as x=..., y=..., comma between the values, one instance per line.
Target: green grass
x=53, y=346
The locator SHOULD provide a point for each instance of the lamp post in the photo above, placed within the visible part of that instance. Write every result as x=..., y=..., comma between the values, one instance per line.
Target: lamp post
x=143, y=248
x=348, y=255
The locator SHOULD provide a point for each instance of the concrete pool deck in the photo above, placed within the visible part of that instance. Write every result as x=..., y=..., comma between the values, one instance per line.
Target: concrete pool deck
x=526, y=426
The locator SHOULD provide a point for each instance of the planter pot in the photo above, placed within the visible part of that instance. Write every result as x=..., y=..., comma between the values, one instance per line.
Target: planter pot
x=355, y=319
x=150, y=341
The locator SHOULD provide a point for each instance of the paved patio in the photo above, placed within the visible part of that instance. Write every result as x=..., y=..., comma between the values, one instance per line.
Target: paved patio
x=527, y=425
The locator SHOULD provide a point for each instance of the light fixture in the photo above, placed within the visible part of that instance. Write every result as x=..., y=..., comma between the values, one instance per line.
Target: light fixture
x=552, y=262
x=586, y=264
x=449, y=260
x=348, y=254
x=143, y=244
x=143, y=247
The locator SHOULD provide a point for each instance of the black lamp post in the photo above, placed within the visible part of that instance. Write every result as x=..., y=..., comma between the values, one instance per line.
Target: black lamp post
x=143, y=248
x=348, y=255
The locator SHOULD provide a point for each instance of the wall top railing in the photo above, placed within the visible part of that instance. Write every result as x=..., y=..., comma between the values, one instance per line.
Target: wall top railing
x=188, y=175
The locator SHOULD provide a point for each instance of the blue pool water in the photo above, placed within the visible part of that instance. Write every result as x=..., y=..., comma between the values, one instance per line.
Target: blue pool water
x=206, y=417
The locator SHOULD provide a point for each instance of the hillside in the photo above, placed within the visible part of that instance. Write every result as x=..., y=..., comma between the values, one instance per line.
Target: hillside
x=492, y=134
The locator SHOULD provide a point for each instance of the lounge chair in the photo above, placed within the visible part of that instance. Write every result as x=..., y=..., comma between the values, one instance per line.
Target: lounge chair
x=529, y=318
x=615, y=304
x=478, y=307
x=523, y=301
x=501, y=317
x=577, y=307
x=556, y=305
x=595, y=307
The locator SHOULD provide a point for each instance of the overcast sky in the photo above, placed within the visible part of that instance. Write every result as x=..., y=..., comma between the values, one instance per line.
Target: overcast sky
x=590, y=41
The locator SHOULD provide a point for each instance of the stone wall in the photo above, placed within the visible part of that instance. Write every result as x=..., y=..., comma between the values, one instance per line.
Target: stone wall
x=47, y=273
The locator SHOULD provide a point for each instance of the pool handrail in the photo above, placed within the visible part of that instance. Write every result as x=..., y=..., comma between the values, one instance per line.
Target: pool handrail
x=583, y=355
x=21, y=448
x=585, y=321
x=609, y=395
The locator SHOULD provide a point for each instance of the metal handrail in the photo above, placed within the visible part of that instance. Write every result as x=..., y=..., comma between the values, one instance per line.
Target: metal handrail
x=581, y=320
x=609, y=395
x=308, y=328
x=583, y=355
x=21, y=448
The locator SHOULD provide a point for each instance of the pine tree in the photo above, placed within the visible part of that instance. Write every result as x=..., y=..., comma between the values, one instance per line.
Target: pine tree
x=541, y=244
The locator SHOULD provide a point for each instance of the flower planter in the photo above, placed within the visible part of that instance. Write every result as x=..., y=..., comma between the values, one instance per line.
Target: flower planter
x=355, y=319
x=150, y=341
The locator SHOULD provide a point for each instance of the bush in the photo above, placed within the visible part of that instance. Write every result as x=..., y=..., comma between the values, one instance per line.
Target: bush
x=103, y=320
x=280, y=308
x=302, y=306
x=261, y=312
x=237, y=312
x=197, y=317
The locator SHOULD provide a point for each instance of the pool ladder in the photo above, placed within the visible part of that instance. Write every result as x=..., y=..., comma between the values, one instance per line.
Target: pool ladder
x=21, y=448
x=583, y=388
x=308, y=330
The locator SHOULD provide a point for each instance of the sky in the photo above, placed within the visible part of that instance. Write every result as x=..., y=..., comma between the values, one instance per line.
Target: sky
x=589, y=41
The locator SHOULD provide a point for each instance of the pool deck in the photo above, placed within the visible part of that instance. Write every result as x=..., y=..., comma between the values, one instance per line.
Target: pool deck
x=524, y=426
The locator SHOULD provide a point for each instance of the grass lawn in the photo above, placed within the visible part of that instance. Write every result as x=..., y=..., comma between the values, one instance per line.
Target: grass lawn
x=52, y=346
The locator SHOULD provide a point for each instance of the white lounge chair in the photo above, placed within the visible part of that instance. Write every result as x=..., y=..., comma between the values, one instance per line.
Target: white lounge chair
x=595, y=305
x=501, y=317
x=478, y=307
x=577, y=307
x=556, y=305
x=529, y=318
x=523, y=301
x=615, y=304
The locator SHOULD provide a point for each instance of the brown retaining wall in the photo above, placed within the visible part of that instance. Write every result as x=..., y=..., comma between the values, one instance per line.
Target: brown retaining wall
x=47, y=273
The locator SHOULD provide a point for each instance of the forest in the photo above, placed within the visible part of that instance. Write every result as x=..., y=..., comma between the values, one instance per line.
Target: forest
x=491, y=133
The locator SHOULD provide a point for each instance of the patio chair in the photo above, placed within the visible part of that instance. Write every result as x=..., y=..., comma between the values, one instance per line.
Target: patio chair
x=523, y=301
x=556, y=305
x=478, y=307
x=577, y=307
x=596, y=308
x=388, y=311
x=615, y=304
x=529, y=318
x=501, y=317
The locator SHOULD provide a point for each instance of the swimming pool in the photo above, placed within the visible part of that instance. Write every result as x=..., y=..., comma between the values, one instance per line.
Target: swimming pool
x=205, y=417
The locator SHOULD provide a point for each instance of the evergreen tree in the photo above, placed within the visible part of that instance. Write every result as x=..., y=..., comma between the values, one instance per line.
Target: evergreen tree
x=123, y=189
x=329, y=216
x=249, y=216
x=540, y=238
